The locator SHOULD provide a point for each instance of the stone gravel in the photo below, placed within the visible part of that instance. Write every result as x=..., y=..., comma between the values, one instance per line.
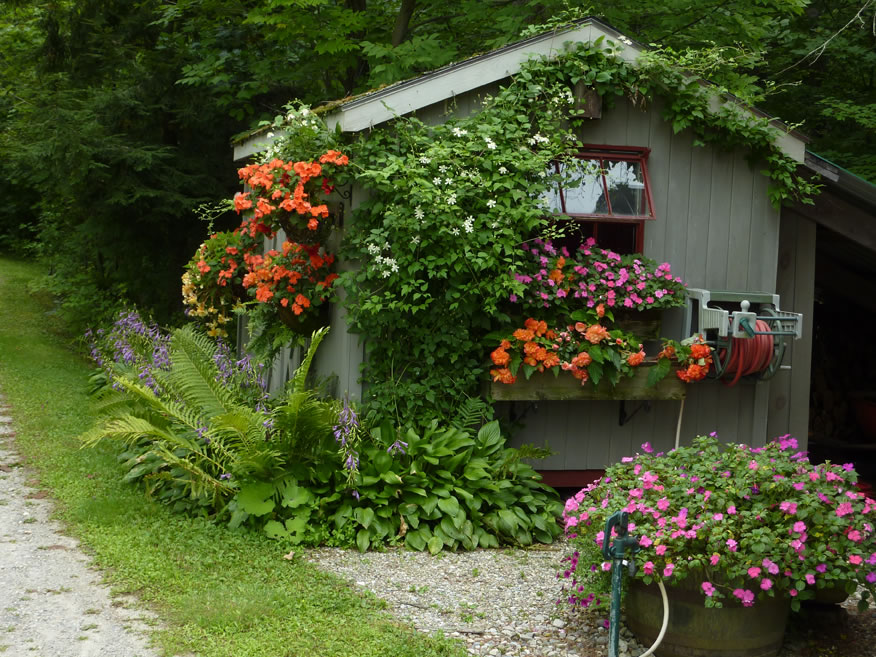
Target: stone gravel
x=52, y=603
x=499, y=602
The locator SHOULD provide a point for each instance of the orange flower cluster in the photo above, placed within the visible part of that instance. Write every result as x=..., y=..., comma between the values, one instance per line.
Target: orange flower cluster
x=279, y=185
x=694, y=357
x=277, y=275
x=541, y=348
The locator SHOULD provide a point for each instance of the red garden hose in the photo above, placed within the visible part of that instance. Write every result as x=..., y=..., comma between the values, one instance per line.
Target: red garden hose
x=748, y=355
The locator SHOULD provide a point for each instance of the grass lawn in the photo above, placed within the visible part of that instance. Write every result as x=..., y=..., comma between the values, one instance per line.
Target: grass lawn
x=217, y=592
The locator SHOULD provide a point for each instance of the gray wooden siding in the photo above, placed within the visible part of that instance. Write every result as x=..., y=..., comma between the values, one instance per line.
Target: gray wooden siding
x=789, y=391
x=716, y=228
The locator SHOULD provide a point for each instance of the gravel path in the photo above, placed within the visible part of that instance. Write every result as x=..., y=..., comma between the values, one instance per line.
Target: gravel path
x=51, y=602
x=499, y=602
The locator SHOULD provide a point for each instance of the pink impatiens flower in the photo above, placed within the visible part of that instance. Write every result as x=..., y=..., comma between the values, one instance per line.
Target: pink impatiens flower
x=648, y=568
x=753, y=572
x=810, y=579
x=766, y=584
x=708, y=589
x=667, y=572
x=746, y=596
x=799, y=527
x=715, y=558
x=731, y=545
x=844, y=509
x=856, y=559
x=660, y=550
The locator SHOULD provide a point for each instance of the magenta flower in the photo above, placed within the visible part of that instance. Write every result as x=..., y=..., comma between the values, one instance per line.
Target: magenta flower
x=871, y=577
x=821, y=568
x=708, y=589
x=766, y=584
x=667, y=572
x=844, y=509
x=799, y=527
x=856, y=559
x=810, y=579
x=648, y=568
x=714, y=559
x=770, y=567
x=753, y=572
x=660, y=550
x=732, y=545
x=731, y=510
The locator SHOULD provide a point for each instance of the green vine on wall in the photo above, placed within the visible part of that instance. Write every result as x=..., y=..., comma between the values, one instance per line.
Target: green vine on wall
x=449, y=205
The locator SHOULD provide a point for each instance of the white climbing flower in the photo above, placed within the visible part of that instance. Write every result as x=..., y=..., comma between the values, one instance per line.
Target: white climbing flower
x=436, y=181
x=454, y=231
x=418, y=213
x=503, y=170
x=425, y=160
x=451, y=200
x=459, y=132
x=468, y=224
x=491, y=203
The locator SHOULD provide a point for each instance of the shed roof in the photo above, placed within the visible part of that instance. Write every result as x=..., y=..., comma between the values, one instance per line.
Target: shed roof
x=378, y=106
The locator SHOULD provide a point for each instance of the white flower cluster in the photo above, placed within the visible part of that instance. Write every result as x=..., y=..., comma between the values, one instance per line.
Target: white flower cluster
x=563, y=97
x=538, y=139
x=490, y=143
x=386, y=265
x=459, y=132
x=468, y=224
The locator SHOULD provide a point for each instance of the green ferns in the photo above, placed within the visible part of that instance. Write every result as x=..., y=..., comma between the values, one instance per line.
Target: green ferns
x=192, y=437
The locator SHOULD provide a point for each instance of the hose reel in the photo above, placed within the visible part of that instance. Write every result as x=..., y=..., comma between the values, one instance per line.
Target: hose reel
x=747, y=331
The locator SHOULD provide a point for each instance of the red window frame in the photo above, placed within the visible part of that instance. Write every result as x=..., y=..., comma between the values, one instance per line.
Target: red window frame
x=637, y=154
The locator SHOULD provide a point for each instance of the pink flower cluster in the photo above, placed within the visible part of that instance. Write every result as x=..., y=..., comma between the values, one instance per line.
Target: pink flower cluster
x=550, y=276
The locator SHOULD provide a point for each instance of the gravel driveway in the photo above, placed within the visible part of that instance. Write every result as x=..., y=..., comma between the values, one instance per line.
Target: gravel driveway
x=52, y=603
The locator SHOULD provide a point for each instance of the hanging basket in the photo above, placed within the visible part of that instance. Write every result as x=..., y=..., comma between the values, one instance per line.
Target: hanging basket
x=307, y=322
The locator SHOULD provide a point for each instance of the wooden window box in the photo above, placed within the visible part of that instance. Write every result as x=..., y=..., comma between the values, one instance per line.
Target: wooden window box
x=546, y=386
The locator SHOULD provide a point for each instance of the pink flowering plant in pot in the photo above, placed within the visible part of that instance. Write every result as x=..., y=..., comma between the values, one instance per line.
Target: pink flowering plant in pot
x=747, y=523
x=553, y=278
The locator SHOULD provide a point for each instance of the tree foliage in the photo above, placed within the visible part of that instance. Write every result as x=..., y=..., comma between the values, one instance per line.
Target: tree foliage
x=117, y=116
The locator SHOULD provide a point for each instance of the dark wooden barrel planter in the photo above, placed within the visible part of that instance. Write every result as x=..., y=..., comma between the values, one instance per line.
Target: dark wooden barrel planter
x=695, y=631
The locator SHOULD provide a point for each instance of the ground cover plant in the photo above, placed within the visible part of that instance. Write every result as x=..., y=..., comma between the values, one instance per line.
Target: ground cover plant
x=197, y=427
x=178, y=565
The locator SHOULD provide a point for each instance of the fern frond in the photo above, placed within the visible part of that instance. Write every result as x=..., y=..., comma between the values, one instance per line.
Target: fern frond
x=472, y=414
x=299, y=379
x=193, y=373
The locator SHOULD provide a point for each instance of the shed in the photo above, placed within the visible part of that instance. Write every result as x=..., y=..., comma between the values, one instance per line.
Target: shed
x=713, y=222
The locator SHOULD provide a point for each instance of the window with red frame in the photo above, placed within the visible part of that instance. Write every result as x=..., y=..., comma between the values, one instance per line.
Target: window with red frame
x=607, y=196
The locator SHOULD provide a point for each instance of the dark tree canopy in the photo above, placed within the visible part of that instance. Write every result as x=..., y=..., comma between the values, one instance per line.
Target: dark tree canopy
x=117, y=117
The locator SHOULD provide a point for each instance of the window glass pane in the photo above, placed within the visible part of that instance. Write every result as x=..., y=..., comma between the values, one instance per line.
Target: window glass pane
x=626, y=188
x=583, y=187
x=552, y=195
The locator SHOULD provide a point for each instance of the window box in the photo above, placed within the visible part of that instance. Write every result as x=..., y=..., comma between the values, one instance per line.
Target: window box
x=546, y=386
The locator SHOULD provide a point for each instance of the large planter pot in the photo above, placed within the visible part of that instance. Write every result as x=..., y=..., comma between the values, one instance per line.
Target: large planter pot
x=644, y=324
x=695, y=631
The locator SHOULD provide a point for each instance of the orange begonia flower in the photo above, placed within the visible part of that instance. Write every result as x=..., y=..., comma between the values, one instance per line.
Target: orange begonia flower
x=596, y=334
x=636, y=359
x=500, y=357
